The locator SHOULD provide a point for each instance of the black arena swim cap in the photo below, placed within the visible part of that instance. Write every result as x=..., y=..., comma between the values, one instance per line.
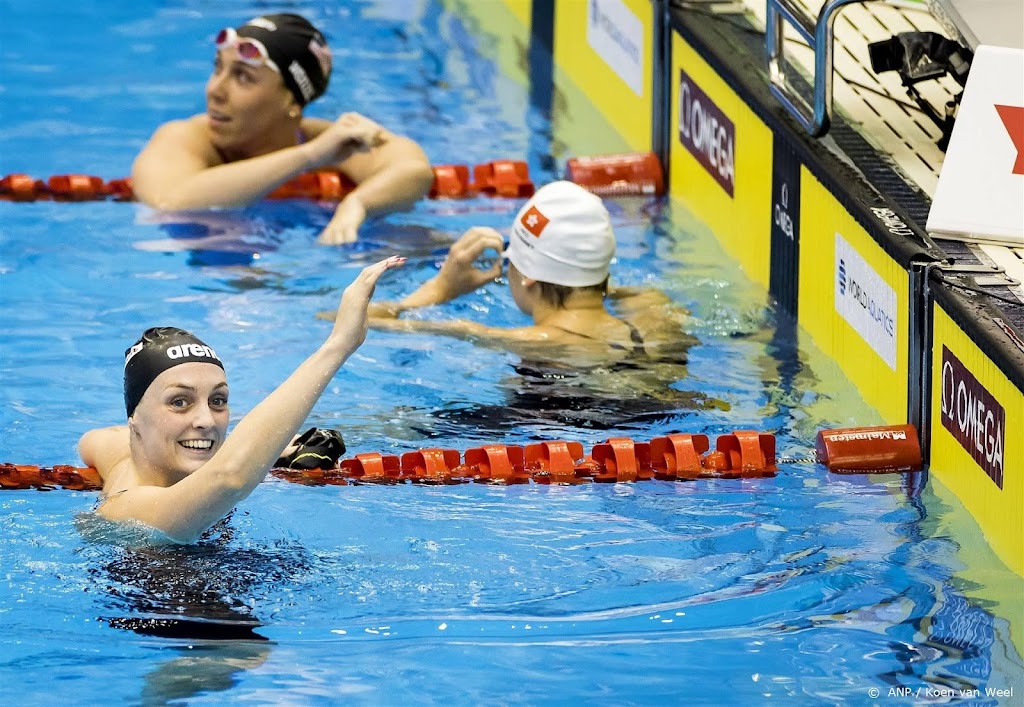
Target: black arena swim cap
x=158, y=349
x=299, y=50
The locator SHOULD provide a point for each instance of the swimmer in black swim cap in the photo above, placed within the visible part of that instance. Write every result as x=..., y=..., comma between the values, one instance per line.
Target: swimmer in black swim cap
x=253, y=136
x=173, y=466
x=176, y=385
x=158, y=349
x=289, y=45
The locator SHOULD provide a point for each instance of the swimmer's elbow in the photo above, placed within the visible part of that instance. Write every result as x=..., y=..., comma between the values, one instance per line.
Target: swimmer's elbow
x=163, y=195
x=417, y=177
x=423, y=174
x=164, y=204
x=86, y=446
x=167, y=202
x=154, y=198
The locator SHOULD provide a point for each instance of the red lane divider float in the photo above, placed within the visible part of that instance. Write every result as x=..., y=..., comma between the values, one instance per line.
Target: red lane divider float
x=24, y=476
x=857, y=450
x=608, y=175
x=744, y=454
x=632, y=174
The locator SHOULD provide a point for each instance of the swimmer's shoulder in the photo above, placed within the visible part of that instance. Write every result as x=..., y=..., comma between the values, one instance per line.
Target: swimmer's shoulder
x=107, y=450
x=638, y=297
x=187, y=138
x=654, y=314
x=191, y=129
x=647, y=302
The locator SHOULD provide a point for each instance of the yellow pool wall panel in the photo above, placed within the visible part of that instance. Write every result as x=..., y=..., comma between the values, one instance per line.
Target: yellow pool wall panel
x=503, y=28
x=734, y=200
x=603, y=53
x=841, y=263
x=977, y=456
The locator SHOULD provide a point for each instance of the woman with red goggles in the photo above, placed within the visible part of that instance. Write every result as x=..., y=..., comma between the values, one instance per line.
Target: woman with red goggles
x=254, y=137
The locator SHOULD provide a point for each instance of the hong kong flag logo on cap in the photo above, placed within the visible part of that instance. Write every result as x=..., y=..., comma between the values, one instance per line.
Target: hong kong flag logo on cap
x=534, y=221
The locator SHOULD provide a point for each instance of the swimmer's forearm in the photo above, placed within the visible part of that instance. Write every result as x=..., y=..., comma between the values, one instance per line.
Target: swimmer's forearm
x=397, y=186
x=233, y=184
x=429, y=293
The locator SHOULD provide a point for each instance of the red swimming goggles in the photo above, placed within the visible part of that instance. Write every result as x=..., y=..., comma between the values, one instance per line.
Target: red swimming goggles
x=250, y=51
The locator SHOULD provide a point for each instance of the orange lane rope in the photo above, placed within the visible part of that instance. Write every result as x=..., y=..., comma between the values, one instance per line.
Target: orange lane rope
x=744, y=454
x=607, y=175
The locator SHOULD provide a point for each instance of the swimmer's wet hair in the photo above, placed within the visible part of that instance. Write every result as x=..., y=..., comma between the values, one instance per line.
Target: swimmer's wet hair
x=556, y=295
x=158, y=349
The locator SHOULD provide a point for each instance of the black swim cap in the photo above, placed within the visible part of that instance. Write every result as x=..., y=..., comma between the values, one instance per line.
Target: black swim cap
x=158, y=349
x=298, y=49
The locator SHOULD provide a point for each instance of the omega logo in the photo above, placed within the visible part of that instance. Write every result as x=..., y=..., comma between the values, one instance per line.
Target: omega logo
x=782, y=218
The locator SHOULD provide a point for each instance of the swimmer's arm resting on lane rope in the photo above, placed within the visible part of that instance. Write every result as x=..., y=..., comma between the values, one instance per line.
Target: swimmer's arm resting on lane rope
x=390, y=176
x=180, y=169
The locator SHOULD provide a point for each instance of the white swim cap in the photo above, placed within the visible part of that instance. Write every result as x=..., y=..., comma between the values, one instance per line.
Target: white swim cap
x=563, y=235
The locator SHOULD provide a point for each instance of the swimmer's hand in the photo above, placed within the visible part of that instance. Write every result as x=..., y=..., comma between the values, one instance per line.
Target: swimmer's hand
x=349, y=134
x=459, y=274
x=350, y=322
x=344, y=225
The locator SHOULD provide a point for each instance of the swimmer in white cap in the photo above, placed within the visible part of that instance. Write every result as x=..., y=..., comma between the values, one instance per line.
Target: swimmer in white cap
x=173, y=467
x=253, y=136
x=560, y=252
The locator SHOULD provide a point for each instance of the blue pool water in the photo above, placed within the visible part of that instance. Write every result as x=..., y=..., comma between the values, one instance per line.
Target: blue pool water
x=805, y=588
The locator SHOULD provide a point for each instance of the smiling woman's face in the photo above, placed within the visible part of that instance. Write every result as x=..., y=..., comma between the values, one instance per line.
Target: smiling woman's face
x=182, y=419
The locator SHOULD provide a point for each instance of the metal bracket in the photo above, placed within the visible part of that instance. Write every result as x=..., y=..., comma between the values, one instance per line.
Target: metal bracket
x=984, y=275
x=970, y=268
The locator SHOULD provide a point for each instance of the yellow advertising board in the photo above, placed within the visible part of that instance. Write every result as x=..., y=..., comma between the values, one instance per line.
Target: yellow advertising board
x=603, y=75
x=854, y=300
x=721, y=160
x=977, y=437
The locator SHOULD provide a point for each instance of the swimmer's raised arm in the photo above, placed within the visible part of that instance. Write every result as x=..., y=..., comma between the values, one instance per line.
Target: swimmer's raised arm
x=560, y=250
x=186, y=508
x=262, y=435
